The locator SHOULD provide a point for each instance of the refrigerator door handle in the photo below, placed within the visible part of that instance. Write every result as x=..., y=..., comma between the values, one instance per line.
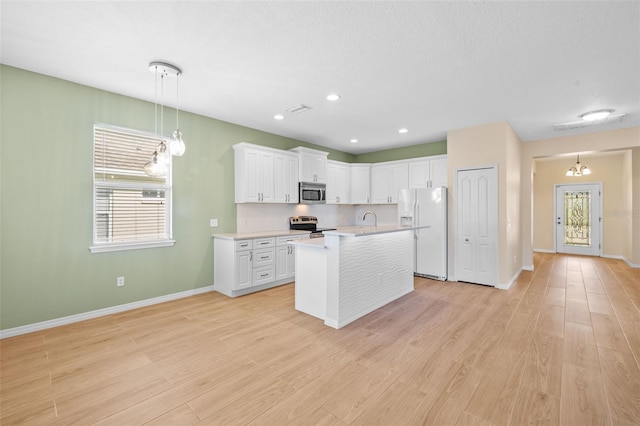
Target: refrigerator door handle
x=416, y=220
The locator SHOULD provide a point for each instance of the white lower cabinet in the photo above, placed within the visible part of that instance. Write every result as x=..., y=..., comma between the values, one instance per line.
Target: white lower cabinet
x=285, y=258
x=243, y=266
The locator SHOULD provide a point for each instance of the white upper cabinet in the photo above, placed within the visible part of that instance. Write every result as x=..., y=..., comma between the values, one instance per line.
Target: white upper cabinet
x=286, y=177
x=338, y=182
x=386, y=180
x=254, y=174
x=269, y=175
x=313, y=165
x=360, y=183
x=439, y=172
x=428, y=172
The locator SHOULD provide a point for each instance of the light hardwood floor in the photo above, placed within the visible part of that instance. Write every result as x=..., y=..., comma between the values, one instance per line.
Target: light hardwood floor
x=560, y=347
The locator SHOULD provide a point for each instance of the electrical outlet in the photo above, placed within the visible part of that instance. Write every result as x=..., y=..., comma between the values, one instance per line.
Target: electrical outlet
x=213, y=223
x=120, y=281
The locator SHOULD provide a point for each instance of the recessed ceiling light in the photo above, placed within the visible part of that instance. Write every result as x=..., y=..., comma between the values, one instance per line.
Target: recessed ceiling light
x=596, y=115
x=279, y=117
x=354, y=141
x=333, y=97
x=403, y=130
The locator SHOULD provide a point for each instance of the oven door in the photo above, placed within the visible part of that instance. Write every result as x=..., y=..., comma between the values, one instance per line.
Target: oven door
x=312, y=193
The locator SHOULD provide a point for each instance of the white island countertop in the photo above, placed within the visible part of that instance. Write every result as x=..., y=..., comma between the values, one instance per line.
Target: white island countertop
x=360, y=231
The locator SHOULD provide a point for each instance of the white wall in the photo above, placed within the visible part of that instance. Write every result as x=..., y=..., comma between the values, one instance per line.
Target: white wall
x=489, y=145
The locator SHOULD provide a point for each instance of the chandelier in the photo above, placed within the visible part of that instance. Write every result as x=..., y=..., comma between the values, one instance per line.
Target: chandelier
x=578, y=169
x=158, y=166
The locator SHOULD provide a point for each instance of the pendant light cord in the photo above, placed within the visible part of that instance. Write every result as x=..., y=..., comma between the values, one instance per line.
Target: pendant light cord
x=155, y=106
x=162, y=106
x=177, y=100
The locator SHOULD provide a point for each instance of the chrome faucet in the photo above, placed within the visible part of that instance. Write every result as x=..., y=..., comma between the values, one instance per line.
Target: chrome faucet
x=375, y=218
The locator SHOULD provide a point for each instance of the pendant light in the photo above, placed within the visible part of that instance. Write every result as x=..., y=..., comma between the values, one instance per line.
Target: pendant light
x=159, y=164
x=157, y=167
x=176, y=145
x=578, y=169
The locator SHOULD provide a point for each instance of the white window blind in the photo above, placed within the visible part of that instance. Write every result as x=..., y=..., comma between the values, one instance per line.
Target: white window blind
x=131, y=209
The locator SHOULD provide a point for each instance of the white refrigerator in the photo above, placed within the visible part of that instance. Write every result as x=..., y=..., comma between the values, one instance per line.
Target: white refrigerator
x=426, y=206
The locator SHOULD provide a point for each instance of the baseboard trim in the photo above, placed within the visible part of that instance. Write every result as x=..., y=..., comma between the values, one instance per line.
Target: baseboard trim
x=632, y=265
x=16, y=331
x=510, y=282
x=543, y=250
x=527, y=267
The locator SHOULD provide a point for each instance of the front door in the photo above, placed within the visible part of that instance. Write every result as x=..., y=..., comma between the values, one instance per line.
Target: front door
x=476, y=256
x=578, y=209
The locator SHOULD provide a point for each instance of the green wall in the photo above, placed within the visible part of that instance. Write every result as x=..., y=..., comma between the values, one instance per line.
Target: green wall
x=46, y=269
x=423, y=150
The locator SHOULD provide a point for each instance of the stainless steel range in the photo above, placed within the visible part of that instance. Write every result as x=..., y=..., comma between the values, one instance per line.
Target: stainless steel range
x=307, y=223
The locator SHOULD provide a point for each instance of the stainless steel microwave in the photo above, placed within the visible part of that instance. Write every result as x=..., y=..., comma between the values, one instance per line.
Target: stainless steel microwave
x=312, y=193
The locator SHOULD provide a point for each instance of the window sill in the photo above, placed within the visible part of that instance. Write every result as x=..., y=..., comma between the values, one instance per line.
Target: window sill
x=130, y=246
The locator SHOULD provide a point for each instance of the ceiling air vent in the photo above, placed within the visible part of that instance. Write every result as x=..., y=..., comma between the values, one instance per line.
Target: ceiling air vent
x=613, y=118
x=297, y=109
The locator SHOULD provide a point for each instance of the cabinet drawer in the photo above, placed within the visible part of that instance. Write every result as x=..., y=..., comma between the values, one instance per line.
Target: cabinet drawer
x=244, y=245
x=263, y=257
x=282, y=241
x=264, y=242
x=263, y=275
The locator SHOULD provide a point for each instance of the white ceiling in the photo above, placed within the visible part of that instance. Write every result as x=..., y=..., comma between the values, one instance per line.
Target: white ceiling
x=425, y=65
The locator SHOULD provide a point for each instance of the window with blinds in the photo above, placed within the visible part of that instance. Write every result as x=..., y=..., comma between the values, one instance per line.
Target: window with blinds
x=131, y=209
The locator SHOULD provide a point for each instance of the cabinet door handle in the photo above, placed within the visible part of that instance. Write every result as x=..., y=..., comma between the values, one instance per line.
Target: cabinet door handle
x=250, y=256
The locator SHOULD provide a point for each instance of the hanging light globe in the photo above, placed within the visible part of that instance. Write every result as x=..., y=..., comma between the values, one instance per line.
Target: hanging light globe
x=164, y=155
x=156, y=167
x=176, y=145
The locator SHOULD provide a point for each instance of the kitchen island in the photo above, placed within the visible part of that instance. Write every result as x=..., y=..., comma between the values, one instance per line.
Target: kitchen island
x=353, y=271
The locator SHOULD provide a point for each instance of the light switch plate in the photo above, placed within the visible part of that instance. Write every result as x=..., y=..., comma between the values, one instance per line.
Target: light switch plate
x=213, y=223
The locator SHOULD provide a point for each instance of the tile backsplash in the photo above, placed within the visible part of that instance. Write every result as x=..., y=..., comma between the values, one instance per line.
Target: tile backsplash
x=253, y=217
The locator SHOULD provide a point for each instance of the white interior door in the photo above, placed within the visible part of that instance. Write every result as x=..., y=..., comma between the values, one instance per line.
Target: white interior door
x=578, y=213
x=477, y=226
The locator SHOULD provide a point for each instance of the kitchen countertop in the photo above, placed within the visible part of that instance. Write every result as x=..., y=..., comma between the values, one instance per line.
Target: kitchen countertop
x=360, y=231
x=260, y=234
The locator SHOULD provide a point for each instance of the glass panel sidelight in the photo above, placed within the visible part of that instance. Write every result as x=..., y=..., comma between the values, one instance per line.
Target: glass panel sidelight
x=577, y=229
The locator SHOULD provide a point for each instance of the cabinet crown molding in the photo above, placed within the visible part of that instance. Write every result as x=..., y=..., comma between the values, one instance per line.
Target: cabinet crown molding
x=305, y=150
